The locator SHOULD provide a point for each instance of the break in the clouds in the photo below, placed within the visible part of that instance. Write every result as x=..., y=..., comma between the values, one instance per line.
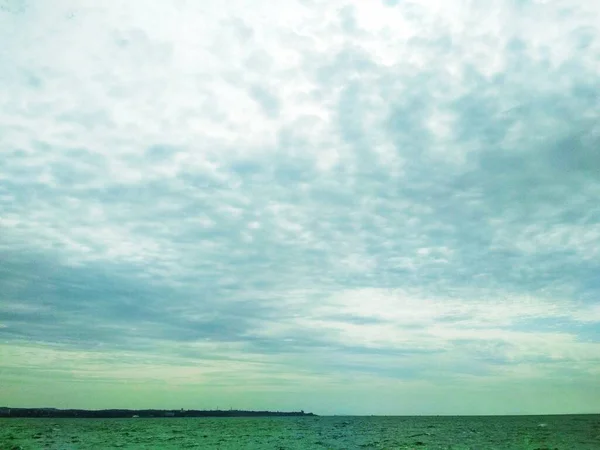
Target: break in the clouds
x=340, y=206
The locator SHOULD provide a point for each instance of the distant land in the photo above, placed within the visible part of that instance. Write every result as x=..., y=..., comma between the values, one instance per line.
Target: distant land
x=140, y=413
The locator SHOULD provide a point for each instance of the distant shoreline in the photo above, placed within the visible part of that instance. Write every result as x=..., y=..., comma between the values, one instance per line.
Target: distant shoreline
x=140, y=413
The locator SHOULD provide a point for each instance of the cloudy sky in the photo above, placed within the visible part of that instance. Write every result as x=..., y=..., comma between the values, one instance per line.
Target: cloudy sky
x=364, y=207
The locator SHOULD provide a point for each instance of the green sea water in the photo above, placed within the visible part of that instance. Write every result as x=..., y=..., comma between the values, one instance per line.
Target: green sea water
x=504, y=432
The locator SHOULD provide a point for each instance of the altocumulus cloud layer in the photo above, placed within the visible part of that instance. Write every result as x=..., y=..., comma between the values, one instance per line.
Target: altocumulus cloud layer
x=364, y=206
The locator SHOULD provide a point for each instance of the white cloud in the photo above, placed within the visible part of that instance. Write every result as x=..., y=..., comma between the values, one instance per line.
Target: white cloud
x=368, y=177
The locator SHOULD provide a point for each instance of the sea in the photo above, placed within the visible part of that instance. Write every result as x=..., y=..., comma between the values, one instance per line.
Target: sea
x=570, y=432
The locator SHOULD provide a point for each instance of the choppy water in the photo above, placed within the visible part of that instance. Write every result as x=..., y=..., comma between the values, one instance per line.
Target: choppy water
x=528, y=432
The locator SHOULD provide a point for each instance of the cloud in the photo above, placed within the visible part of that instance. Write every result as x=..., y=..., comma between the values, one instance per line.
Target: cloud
x=398, y=191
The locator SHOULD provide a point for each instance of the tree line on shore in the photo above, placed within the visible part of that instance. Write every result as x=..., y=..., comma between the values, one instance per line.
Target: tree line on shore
x=139, y=413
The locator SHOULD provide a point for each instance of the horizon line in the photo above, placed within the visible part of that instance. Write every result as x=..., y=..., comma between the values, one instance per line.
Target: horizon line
x=309, y=412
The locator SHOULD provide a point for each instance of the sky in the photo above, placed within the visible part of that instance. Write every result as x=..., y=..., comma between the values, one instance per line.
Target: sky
x=345, y=207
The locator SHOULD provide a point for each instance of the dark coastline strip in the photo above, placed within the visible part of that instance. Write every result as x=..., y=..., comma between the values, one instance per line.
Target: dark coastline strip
x=141, y=413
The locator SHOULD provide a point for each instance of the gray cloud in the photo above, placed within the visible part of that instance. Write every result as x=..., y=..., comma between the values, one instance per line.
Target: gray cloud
x=241, y=184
